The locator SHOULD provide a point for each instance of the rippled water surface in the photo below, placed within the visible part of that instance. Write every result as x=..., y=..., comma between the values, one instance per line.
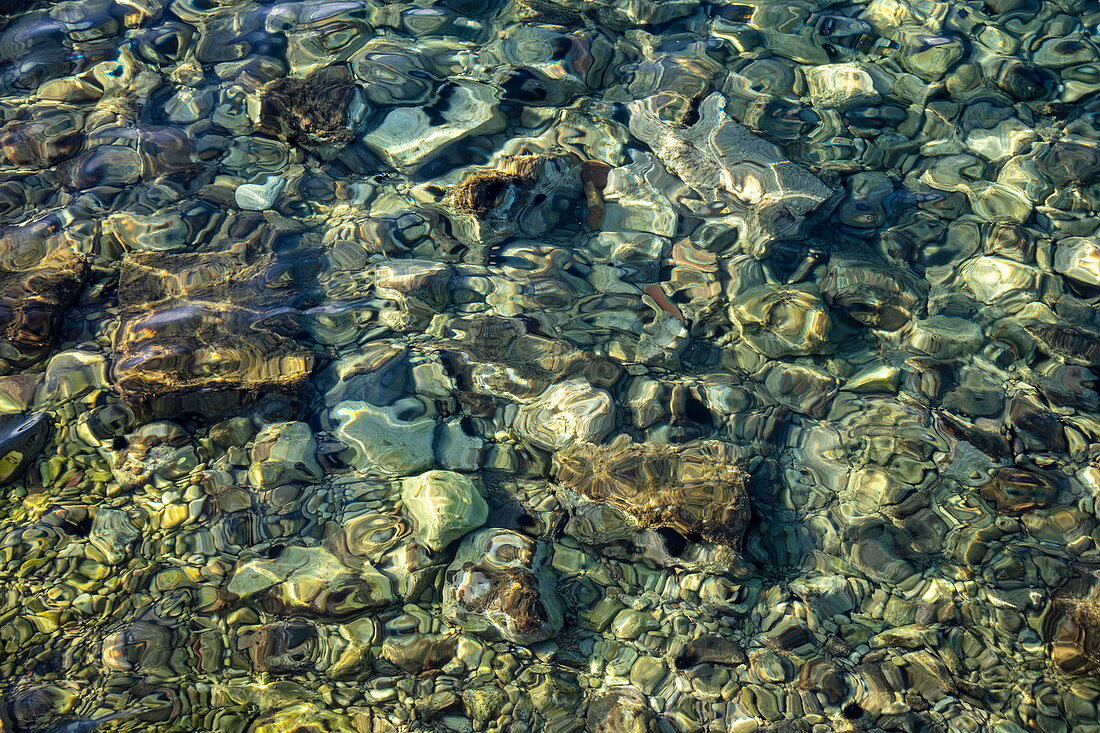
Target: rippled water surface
x=618, y=366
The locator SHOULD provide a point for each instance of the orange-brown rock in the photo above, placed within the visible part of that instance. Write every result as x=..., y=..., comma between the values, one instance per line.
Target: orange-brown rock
x=695, y=488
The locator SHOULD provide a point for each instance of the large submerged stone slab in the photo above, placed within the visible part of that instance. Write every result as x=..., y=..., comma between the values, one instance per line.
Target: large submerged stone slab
x=201, y=322
x=694, y=488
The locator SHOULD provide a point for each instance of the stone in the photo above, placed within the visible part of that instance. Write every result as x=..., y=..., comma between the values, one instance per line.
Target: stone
x=443, y=506
x=499, y=587
x=381, y=441
x=311, y=581
x=284, y=453
x=1079, y=259
x=260, y=196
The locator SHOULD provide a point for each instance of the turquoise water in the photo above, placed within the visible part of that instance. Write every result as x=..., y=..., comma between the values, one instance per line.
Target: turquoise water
x=617, y=366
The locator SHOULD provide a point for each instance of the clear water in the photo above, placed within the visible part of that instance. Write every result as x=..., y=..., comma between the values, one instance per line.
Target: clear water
x=633, y=366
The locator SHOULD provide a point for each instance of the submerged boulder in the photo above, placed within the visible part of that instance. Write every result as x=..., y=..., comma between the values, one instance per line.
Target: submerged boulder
x=443, y=506
x=499, y=587
x=202, y=321
x=694, y=488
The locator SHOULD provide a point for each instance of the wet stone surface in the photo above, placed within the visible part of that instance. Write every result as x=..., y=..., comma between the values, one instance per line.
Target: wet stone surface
x=639, y=366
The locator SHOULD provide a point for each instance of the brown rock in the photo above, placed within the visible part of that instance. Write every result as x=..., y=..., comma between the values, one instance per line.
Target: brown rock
x=694, y=488
x=199, y=321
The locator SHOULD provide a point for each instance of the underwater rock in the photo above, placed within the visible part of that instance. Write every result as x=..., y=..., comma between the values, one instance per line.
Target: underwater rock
x=1071, y=343
x=1072, y=625
x=320, y=112
x=113, y=534
x=499, y=587
x=303, y=717
x=522, y=195
x=394, y=73
x=944, y=337
x=381, y=440
x=457, y=450
x=839, y=86
x=508, y=231
x=1079, y=259
x=158, y=453
x=310, y=581
x=409, y=137
x=33, y=302
x=879, y=297
x=805, y=389
x=284, y=647
x=709, y=649
x=696, y=489
x=377, y=372
x=259, y=196
x=199, y=322
x=71, y=375
x=45, y=140
x=755, y=184
x=1016, y=490
x=22, y=438
x=419, y=289
x=566, y=413
x=443, y=506
x=781, y=321
x=284, y=453
x=999, y=281
x=619, y=710
x=141, y=645
x=617, y=15
x=417, y=654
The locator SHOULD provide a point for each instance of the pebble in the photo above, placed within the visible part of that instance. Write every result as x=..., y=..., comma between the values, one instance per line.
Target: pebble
x=260, y=196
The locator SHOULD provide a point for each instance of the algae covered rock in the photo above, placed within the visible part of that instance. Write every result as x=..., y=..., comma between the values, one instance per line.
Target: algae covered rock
x=500, y=587
x=524, y=195
x=443, y=506
x=695, y=488
x=319, y=112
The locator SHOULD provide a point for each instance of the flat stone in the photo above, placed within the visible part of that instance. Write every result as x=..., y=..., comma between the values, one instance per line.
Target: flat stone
x=260, y=196
x=381, y=441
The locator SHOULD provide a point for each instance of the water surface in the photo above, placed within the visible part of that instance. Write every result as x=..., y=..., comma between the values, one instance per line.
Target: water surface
x=579, y=365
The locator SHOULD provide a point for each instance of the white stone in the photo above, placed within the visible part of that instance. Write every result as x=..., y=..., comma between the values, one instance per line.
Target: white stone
x=260, y=196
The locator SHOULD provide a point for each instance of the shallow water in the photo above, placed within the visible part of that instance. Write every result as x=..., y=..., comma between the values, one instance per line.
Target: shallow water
x=575, y=365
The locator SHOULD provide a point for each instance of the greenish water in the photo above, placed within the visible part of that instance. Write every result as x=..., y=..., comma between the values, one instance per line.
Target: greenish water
x=614, y=366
